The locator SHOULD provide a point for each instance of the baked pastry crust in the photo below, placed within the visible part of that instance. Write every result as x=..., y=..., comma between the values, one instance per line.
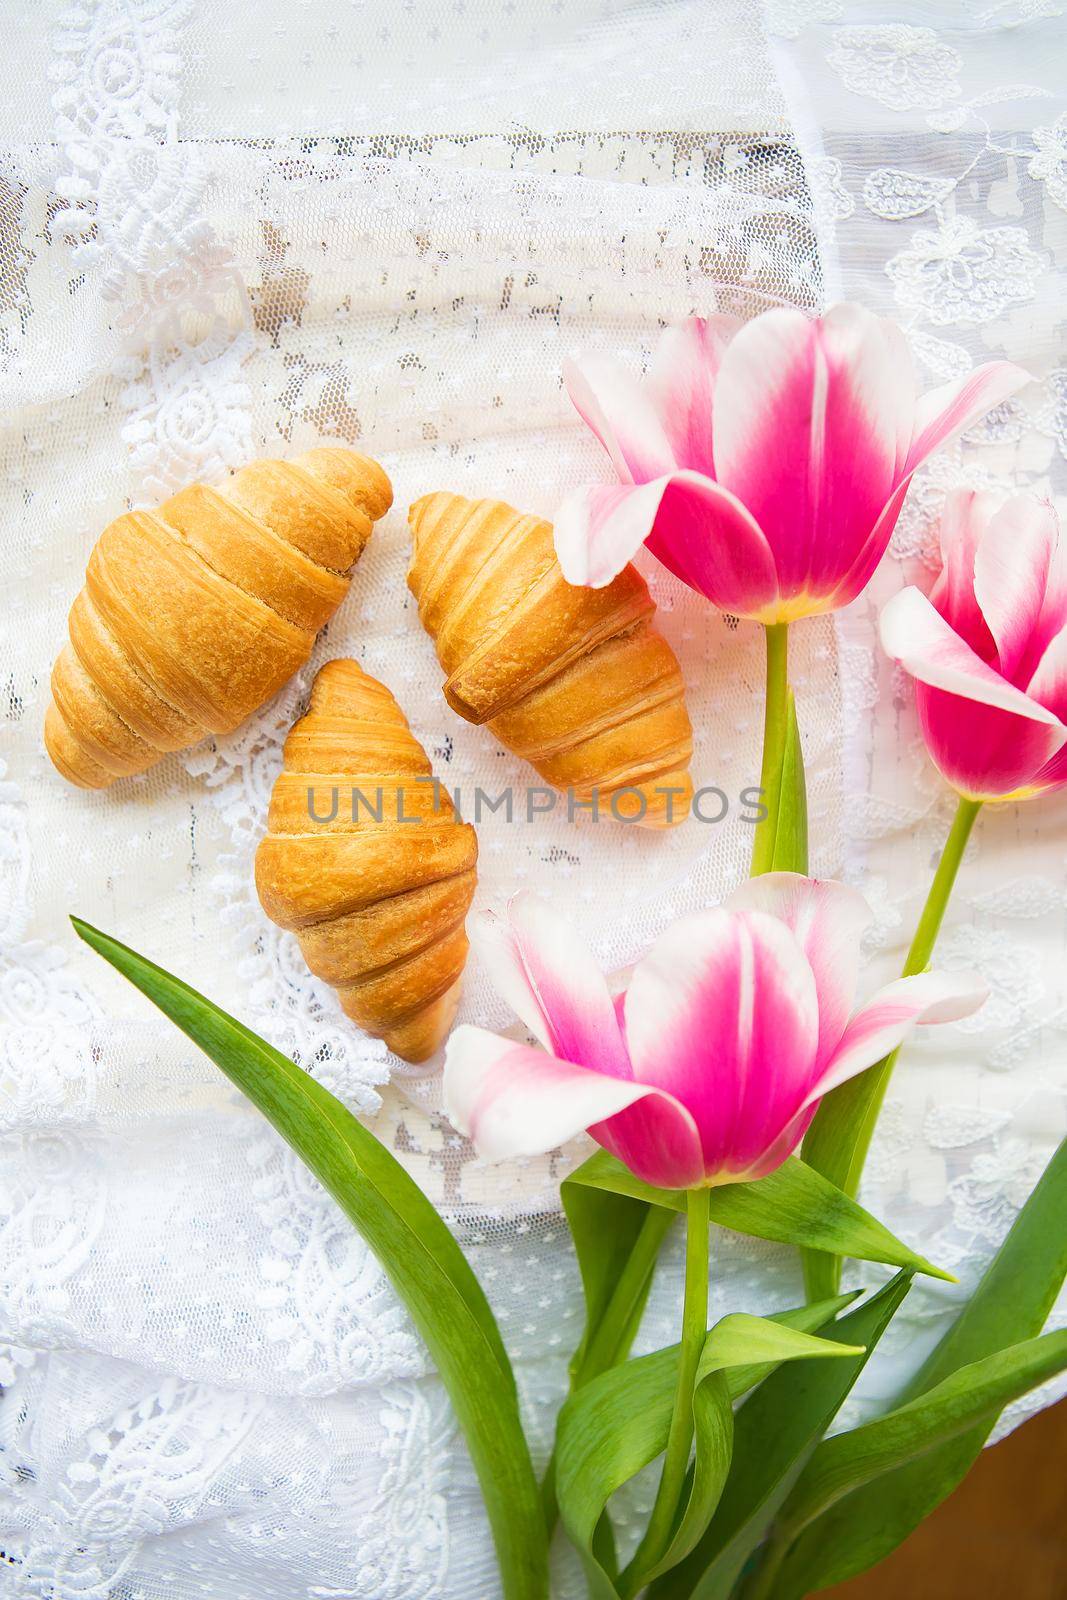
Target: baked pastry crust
x=366, y=862
x=576, y=681
x=194, y=614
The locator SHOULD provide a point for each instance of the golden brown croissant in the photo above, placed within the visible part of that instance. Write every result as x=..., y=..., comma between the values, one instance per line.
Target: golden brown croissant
x=576, y=681
x=194, y=614
x=365, y=861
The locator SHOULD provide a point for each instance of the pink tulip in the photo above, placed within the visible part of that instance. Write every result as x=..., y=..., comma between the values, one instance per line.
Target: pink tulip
x=988, y=650
x=765, y=464
x=710, y=1067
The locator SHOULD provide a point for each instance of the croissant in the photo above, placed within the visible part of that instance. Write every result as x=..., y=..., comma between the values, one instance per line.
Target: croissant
x=576, y=681
x=365, y=861
x=194, y=614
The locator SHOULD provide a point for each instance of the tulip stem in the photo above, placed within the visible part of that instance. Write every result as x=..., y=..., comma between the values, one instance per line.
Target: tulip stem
x=919, y=952
x=775, y=733
x=933, y=912
x=661, y=1523
x=840, y=1136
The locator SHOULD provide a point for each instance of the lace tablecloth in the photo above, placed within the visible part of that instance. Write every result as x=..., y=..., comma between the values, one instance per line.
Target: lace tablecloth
x=232, y=233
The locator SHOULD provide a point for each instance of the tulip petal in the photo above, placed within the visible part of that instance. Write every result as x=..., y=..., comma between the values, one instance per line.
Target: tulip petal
x=723, y=1014
x=914, y=634
x=782, y=1148
x=983, y=752
x=681, y=385
x=698, y=530
x=657, y=1139
x=987, y=738
x=1053, y=775
x=828, y=921
x=1013, y=562
x=622, y=414
x=889, y=1017
x=708, y=539
x=809, y=422
x=943, y=413
x=1049, y=683
x=965, y=517
x=863, y=568
x=512, y=1101
x=599, y=529
x=551, y=980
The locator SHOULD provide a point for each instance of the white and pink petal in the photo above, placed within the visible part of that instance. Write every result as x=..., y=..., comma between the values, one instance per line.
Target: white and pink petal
x=828, y=921
x=722, y=1012
x=623, y=415
x=809, y=423
x=1048, y=686
x=512, y=1101
x=887, y=1019
x=983, y=752
x=1052, y=775
x=698, y=531
x=546, y=972
x=657, y=1139
x=681, y=385
x=917, y=636
x=942, y=414
x=1013, y=561
x=601, y=527
x=964, y=519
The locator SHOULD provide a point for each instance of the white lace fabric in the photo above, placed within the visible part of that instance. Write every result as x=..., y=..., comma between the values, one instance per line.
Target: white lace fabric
x=223, y=236
x=941, y=146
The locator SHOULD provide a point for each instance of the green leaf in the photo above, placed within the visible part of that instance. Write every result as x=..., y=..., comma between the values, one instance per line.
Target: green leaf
x=973, y=1394
x=419, y=1255
x=616, y=1424
x=790, y=853
x=1011, y=1304
x=736, y=1342
x=807, y=1318
x=794, y=1205
x=616, y=1239
x=774, y=1434
x=603, y=1171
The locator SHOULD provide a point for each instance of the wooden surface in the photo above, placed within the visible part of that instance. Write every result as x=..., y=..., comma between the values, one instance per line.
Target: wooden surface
x=1001, y=1536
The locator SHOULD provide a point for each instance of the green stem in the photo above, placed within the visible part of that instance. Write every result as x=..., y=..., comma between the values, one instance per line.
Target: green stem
x=840, y=1136
x=933, y=912
x=614, y=1333
x=775, y=729
x=694, y=1330
x=919, y=952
